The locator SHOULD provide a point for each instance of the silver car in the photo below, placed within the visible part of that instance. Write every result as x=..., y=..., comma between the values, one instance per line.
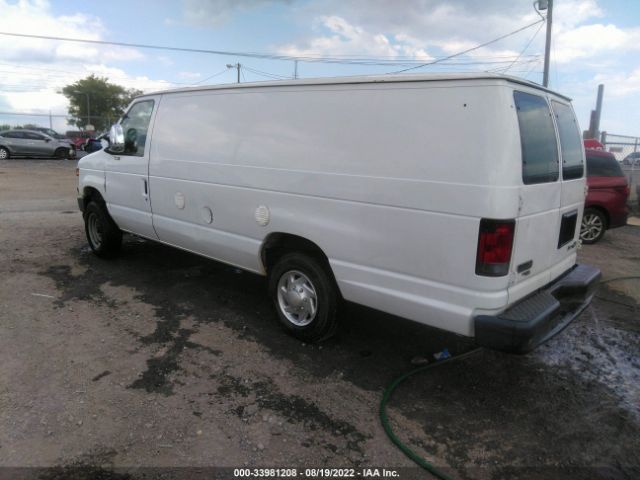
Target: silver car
x=30, y=143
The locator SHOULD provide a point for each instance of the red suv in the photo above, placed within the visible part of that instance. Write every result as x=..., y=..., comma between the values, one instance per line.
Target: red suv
x=606, y=203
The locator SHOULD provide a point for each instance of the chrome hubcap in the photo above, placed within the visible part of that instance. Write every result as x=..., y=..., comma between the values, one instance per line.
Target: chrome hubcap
x=591, y=227
x=95, y=230
x=297, y=298
x=3, y=154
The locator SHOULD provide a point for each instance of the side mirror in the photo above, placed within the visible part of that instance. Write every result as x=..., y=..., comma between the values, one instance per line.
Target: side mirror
x=116, y=139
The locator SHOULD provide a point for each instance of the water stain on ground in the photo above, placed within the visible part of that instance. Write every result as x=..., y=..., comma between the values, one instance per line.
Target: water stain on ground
x=180, y=285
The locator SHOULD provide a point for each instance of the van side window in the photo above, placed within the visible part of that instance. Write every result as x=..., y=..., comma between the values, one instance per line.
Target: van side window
x=570, y=141
x=537, y=138
x=135, y=124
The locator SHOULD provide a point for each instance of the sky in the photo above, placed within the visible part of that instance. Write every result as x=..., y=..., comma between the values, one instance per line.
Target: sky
x=593, y=42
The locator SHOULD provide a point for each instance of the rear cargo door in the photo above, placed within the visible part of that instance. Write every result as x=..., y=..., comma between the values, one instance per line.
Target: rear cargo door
x=535, y=252
x=573, y=180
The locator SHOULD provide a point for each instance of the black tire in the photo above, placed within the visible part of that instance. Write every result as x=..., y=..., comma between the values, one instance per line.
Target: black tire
x=103, y=235
x=324, y=322
x=61, y=153
x=593, y=226
x=4, y=154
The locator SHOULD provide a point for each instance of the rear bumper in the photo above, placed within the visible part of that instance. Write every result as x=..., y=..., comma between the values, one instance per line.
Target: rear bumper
x=534, y=320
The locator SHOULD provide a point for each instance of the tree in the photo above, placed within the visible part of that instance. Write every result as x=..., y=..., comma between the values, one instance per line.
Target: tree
x=106, y=101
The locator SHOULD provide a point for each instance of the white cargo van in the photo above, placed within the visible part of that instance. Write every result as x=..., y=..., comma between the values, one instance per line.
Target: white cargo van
x=451, y=200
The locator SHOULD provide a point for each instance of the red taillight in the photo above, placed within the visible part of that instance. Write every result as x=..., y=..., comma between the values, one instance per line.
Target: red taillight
x=495, y=242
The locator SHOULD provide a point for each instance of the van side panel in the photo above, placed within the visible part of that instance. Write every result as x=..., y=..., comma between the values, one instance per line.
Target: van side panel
x=390, y=180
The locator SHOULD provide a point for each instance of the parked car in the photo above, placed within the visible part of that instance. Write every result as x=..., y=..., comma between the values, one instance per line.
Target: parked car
x=606, y=202
x=78, y=138
x=632, y=159
x=53, y=134
x=30, y=143
x=451, y=200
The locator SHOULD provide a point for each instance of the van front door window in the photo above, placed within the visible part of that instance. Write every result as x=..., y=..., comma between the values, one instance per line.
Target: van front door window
x=135, y=125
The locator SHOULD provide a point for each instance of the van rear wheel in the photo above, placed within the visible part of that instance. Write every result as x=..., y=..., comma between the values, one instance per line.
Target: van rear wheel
x=305, y=297
x=103, y=235
x=593, y=226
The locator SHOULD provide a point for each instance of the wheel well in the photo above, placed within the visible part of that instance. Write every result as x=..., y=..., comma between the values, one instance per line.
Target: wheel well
x=91, y=194
x=603, y=211
x=278, y=244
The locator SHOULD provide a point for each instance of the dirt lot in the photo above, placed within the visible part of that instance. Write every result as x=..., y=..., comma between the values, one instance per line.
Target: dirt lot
x=164, y=359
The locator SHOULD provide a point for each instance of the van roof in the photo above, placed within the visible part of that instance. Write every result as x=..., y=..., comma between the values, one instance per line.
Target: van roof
x=422, y=77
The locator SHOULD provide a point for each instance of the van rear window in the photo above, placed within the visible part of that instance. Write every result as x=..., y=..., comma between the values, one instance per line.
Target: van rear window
x=570, y=141
x=538, y=139
x=603, y=167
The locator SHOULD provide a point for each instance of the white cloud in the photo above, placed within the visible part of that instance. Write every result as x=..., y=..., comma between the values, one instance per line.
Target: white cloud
x=193, y=76
x=456, y=26
x=343, y=38
x=620, y=84
x=591, y=41
x=34, y=17
x=32, y=71
x=34, y=89
x=213, y=13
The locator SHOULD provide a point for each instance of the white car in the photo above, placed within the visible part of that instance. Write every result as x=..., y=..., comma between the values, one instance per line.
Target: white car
x=451, y=200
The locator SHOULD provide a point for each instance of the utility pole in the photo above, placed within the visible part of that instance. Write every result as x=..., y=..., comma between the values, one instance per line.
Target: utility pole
x=50, y=120
x=295, y=69
x=236, y=66
x=594, y=123
x=547, y=5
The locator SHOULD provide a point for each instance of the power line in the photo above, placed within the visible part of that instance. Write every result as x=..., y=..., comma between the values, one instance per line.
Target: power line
x=209, y=78
x=272, y=76
x=469, y=49
x=525, y=48
x=363, y=60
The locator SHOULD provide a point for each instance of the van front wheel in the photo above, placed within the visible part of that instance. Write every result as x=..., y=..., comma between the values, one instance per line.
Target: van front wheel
x=103, y=234
x=305, y=297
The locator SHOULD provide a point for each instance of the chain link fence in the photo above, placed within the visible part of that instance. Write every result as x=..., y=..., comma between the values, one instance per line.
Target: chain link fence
x=626, y=149
x=59, y=122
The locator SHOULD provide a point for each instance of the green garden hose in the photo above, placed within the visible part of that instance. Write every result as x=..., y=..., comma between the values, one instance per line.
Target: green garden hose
x=634, y=277
x=385, y=421
x=393, y=385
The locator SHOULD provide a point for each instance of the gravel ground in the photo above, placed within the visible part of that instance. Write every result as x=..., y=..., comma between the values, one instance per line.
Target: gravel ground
x=160, y=358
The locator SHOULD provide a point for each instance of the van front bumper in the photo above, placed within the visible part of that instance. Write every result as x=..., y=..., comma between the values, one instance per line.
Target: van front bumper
x=535, y=319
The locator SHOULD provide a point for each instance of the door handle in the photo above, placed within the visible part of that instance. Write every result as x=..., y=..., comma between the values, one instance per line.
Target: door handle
x=115, y=157
x=145, y=189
